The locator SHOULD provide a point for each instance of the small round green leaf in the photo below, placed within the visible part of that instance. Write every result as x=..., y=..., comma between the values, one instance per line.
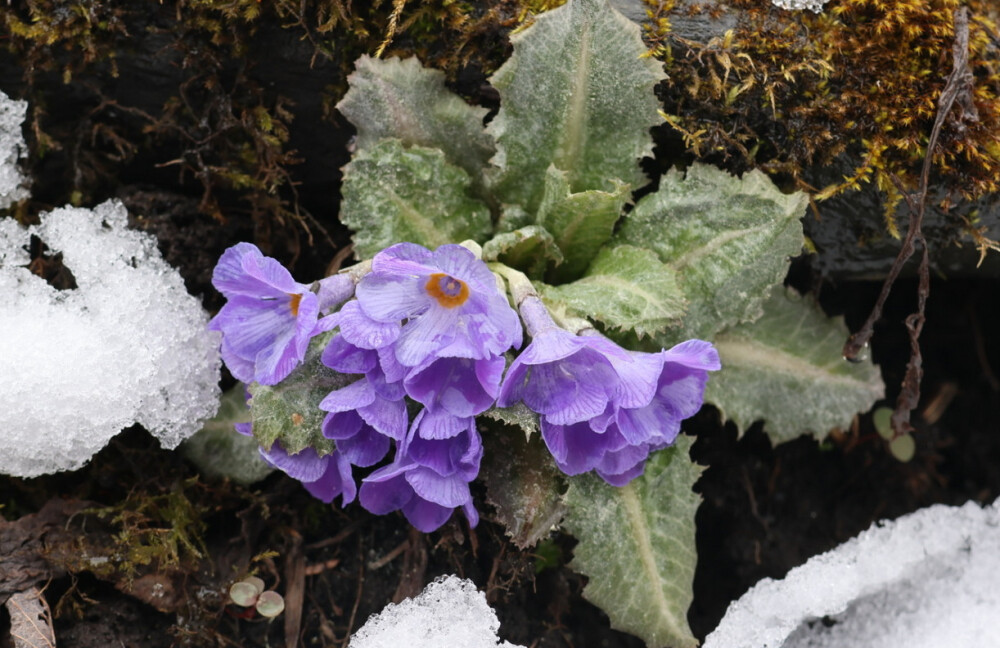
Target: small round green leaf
x=882, y=419
x=244, y=593
x=903, y=447
x=270, y=604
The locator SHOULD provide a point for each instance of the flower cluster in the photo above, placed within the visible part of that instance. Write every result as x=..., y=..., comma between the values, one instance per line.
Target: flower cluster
x=604, y=408
x=426, y=333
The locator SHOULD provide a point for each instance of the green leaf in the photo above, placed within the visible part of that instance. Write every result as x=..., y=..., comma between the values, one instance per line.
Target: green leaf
x=401, y=99
x=637, y=546
x=289, y=411
x=393, y=194
x=581, y=222
x=729, y=239
x=219, y=451
x=577, y=93
x=522, y=483
x=517, y=415
x=626, y=288
x=529, y=249
x=787, y=369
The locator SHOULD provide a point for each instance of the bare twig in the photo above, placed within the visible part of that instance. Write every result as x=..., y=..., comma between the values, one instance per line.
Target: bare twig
x=958, y=88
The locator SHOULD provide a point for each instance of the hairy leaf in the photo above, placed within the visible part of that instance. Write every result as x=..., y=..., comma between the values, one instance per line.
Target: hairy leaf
x=529, y=249
x=787, y=369
x=219, y=451
x=729, y=239
x=289, y=411
x=393, y=194
x=581, y=222
x=637, y=546
x=522, y=483
x=401, y=99
x=626, y=288
x=517, y=415
x=577, y=94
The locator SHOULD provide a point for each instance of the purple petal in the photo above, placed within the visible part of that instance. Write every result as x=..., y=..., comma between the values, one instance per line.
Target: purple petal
x=231, y=276
x=461, y=263
x=461, y=386
x=623, y=478
x=638, y=374
x=386, y=490
x=471, y=514
x=448, y=491
x=240, y=367
x=426, y=516
x=391, y=298
x=389, y=390
x=653, y=423
x=426, y=334
x=342, y=425
x=458, y=454
x=388, y=417
x=393, y=371
x=682, y=388
x=357, y=394
x=343, y=357
x=306, y=466
x=439, y=425
x=366, y=448
x=620, y=466
x=576, y=448
x=363, y=331
x=337, y=480
x=571, y=390
x=696, y=354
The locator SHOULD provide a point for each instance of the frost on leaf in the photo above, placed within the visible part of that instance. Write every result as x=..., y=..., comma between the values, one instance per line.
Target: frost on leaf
x=728, y=238
x=637, y=546
x=392, y=193
x=787, y=368
x=626, y=288
x=576, y=94
x=401, y=99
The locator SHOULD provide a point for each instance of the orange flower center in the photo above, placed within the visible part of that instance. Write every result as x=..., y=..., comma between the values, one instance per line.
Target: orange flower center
x=293, y=303
x=448, y=291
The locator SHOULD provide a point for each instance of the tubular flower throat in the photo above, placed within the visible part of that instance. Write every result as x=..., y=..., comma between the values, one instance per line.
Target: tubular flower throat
x=448, y=291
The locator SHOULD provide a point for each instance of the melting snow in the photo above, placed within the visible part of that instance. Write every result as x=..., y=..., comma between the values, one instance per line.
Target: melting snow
x=128, y=345
x=926, y=580
x=449, y=613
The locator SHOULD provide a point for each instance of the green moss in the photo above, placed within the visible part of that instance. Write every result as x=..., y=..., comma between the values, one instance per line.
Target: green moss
x=786, y=91
x=159, y=531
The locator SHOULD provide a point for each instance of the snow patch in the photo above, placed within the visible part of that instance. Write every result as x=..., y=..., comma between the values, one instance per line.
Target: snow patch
x=128, y=345
x=449, y=613
x=926, y=580
x=13, y=186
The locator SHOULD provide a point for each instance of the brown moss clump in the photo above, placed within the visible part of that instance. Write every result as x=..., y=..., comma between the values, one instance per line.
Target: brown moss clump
x=204, y=97
x=790, y=90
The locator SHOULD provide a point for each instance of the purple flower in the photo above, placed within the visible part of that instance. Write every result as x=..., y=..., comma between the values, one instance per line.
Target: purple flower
x=362, y=420
x=461, y=386
x=448, y=298
x=572, y=378
x=324, y=477
x=431, y=473
x=268, y=319
x=604, y=408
